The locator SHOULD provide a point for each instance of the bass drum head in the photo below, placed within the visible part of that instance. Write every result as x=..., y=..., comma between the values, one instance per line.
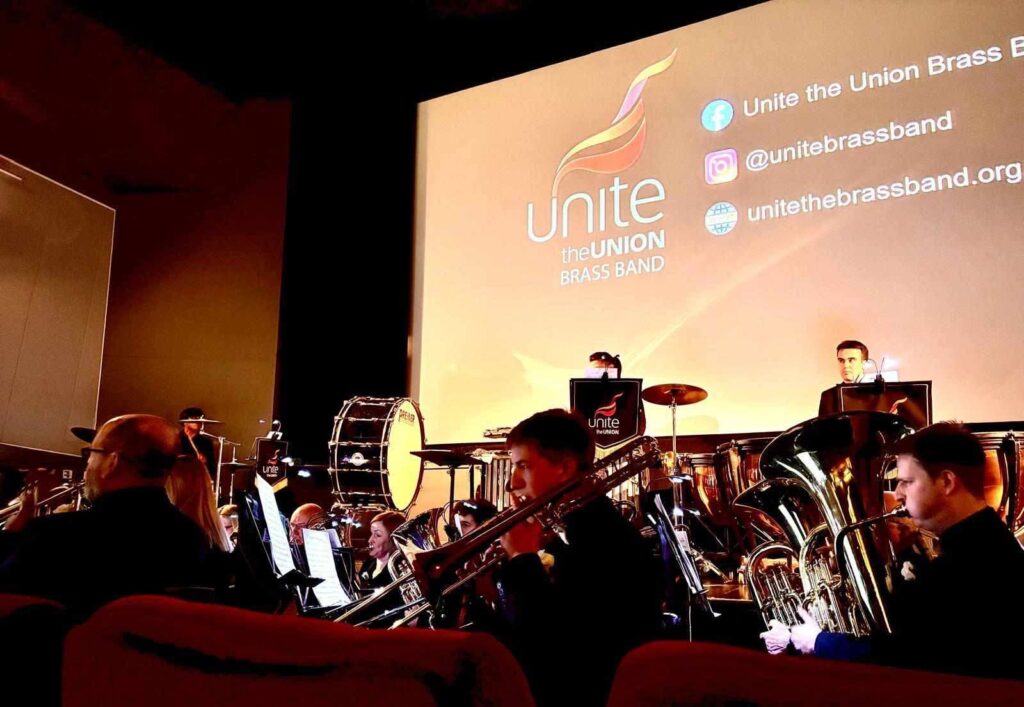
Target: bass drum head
x=404, y=470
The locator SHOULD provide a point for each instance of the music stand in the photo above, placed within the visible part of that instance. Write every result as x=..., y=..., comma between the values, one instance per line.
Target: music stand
x=452, y=460
x=911, y=401
x=611, y=408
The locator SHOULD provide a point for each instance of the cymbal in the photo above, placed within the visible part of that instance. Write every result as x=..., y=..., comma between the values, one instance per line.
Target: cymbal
x=206, y=420
x=445, y=457
x=667, y=393
x=237, y=464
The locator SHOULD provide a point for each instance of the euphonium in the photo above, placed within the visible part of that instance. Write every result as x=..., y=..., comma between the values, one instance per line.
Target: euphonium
x=413, y=536
x=416, y=535
x=822, y=500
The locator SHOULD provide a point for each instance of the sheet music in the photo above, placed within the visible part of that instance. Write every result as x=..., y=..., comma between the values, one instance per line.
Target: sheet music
x=280, y=549
x=321, y=565
x=335, y=540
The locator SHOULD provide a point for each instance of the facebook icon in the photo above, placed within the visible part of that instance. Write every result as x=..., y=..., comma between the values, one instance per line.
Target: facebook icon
x=717, y=115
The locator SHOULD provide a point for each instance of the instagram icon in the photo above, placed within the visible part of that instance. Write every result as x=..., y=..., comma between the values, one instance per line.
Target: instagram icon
x=720, y=166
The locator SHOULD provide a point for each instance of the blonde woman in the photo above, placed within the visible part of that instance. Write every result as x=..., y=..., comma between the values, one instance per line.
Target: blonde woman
x=189, y=488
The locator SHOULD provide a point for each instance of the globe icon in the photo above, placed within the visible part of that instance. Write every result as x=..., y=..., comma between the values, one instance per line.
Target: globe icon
x=721, y=218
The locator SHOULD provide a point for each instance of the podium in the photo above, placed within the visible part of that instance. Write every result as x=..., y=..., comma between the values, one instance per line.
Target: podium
x=911, y=401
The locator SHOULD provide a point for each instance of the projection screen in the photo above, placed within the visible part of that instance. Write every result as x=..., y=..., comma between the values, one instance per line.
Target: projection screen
x=720, y=205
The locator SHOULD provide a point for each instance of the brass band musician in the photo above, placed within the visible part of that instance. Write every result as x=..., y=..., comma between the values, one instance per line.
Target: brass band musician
x=471, y=514
x=600, y=596
x=954, y=613
x=374, y=573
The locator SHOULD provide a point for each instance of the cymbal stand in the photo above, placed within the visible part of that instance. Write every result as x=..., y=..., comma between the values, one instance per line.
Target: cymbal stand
x=221, y=441
x=677, y=478
x=679, y=510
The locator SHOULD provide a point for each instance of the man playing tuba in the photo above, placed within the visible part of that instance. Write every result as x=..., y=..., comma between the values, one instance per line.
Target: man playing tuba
x=954, y=613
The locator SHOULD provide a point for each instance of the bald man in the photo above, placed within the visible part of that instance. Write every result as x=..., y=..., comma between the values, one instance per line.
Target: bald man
x=131, y=541
x=302, y=517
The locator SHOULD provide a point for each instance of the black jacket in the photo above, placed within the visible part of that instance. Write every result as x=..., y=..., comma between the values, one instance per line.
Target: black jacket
x=131, y=541
x=960, y=612
x=571, y=625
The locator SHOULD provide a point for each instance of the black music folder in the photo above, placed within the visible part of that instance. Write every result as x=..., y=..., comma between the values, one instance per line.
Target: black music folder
x=911, y=401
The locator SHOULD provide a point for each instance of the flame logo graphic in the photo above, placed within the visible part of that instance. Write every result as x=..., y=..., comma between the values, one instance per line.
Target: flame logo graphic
x=609, y=409
x=630, y=120
x=896, y=405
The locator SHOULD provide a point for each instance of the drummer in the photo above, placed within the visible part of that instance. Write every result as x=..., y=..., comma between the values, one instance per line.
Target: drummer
x=193, y=442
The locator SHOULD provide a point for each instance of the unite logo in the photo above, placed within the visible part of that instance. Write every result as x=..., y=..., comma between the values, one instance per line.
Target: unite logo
x=609, y=409
x=630, y=123
x=603, y=422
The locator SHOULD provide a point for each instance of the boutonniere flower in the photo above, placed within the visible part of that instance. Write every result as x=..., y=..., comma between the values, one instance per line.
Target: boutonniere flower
x=907, y=571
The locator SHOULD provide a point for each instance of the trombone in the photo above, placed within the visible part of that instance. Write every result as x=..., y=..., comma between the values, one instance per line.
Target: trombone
x=443, y=572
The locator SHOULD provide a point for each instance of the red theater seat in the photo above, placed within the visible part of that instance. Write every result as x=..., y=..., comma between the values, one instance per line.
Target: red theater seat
x=32, y=632
x=157, y=651
x=679, y=674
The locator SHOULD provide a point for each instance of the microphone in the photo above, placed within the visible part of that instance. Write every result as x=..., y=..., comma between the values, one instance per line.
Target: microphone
x=879, y=378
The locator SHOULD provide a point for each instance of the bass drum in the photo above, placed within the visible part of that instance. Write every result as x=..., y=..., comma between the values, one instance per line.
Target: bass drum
x=370, y=450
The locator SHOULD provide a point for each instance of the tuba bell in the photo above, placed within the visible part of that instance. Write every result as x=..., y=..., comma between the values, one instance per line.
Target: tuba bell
x=819, y=511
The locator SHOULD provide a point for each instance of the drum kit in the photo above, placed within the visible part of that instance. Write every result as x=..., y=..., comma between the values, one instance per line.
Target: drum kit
x=233, y=466
x=673, y=395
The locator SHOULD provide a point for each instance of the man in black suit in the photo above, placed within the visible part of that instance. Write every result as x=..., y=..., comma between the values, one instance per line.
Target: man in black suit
x=956, y=613
x=571, y=616
x=131, y=541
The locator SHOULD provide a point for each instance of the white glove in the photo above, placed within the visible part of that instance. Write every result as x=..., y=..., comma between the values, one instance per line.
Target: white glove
x=776, y=638
x=803, y=635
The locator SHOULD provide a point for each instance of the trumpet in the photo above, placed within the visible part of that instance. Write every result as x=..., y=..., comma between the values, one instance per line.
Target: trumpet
x=64, y=493
x=445, y=572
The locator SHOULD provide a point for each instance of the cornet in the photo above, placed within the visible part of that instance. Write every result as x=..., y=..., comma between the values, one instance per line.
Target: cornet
x=65, y=493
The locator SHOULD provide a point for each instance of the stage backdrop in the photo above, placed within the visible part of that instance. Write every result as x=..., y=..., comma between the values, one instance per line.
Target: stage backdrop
x=721, y=205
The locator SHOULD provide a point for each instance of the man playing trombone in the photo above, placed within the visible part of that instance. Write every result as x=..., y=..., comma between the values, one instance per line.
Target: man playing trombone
x=571, y=618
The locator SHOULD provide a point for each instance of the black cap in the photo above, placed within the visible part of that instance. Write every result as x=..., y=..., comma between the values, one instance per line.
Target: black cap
x=86, y=434
x=192, y=413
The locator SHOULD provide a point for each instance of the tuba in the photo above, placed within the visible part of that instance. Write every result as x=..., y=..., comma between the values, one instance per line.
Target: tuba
x=819, y=510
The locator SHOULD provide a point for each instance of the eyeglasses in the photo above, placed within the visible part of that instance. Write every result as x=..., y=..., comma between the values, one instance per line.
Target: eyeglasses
x=87, y=452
